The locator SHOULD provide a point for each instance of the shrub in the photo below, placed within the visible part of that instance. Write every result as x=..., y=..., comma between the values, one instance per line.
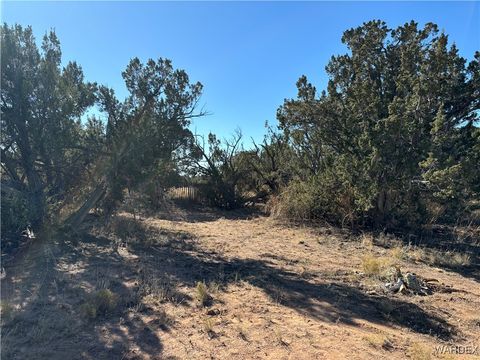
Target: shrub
x=102, y=302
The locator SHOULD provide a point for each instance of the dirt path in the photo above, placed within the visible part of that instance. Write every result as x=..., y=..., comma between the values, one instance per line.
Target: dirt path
x=273, y=292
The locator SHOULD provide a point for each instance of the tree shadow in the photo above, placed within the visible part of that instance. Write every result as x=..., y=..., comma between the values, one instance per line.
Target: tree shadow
x=50, y=323
x=324, y=301
x=195, y=213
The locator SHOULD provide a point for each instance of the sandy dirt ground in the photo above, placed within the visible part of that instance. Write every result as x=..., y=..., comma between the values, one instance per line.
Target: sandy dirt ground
x=272, y=292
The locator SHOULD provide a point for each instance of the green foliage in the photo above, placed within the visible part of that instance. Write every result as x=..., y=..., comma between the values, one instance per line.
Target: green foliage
x=219, y=167
x=144, y=133
x=102, y=302
x=394, y=133
x=51, y=153
x=44, y=145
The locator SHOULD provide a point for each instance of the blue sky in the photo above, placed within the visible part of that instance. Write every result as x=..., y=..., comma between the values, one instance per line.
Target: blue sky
x=248, y=55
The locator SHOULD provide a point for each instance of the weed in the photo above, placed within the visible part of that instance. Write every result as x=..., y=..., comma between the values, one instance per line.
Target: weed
x=88, y=310
x=400, y=252
x=214, y=287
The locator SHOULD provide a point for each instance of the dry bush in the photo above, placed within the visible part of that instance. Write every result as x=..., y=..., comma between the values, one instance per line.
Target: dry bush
x=294, y=203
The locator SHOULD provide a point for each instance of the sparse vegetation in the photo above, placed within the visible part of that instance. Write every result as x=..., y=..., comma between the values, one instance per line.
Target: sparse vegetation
x=359, y=206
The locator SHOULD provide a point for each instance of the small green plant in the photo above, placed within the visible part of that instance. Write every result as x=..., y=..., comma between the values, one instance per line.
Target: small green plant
x=88, y=310
x=201, y=293
x=102, y=302
x=105, y=300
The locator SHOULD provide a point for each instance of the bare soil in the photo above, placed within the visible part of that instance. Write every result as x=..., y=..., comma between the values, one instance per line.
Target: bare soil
x=274, y=292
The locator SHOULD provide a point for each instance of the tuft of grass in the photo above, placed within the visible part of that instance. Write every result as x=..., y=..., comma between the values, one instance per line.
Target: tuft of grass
x=201, y=294
x=442, y=258
x=208, y=327
x=102, y=302
x=373, y=266
x=214, y=287
x=418, y=351
x=400, y=252
x=417, y=254
x=458, y=259
x=88, y=310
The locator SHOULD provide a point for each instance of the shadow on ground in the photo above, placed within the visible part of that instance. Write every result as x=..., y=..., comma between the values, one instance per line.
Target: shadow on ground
x=54, y=279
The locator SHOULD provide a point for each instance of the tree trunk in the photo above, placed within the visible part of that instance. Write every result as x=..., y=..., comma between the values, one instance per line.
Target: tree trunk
x=77, y=217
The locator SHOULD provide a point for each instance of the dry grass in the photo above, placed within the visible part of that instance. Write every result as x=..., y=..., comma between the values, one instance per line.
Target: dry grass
x=374, y=266
x=208, y=325
x=431, y=256
x=367, y=241
x=448, y=258
x=400, y=252
x=378, y=341
x=279, y=292
x=201, y=294
x=418, y=351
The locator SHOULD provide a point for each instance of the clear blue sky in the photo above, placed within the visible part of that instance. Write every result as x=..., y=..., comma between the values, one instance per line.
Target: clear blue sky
x=248, y=55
